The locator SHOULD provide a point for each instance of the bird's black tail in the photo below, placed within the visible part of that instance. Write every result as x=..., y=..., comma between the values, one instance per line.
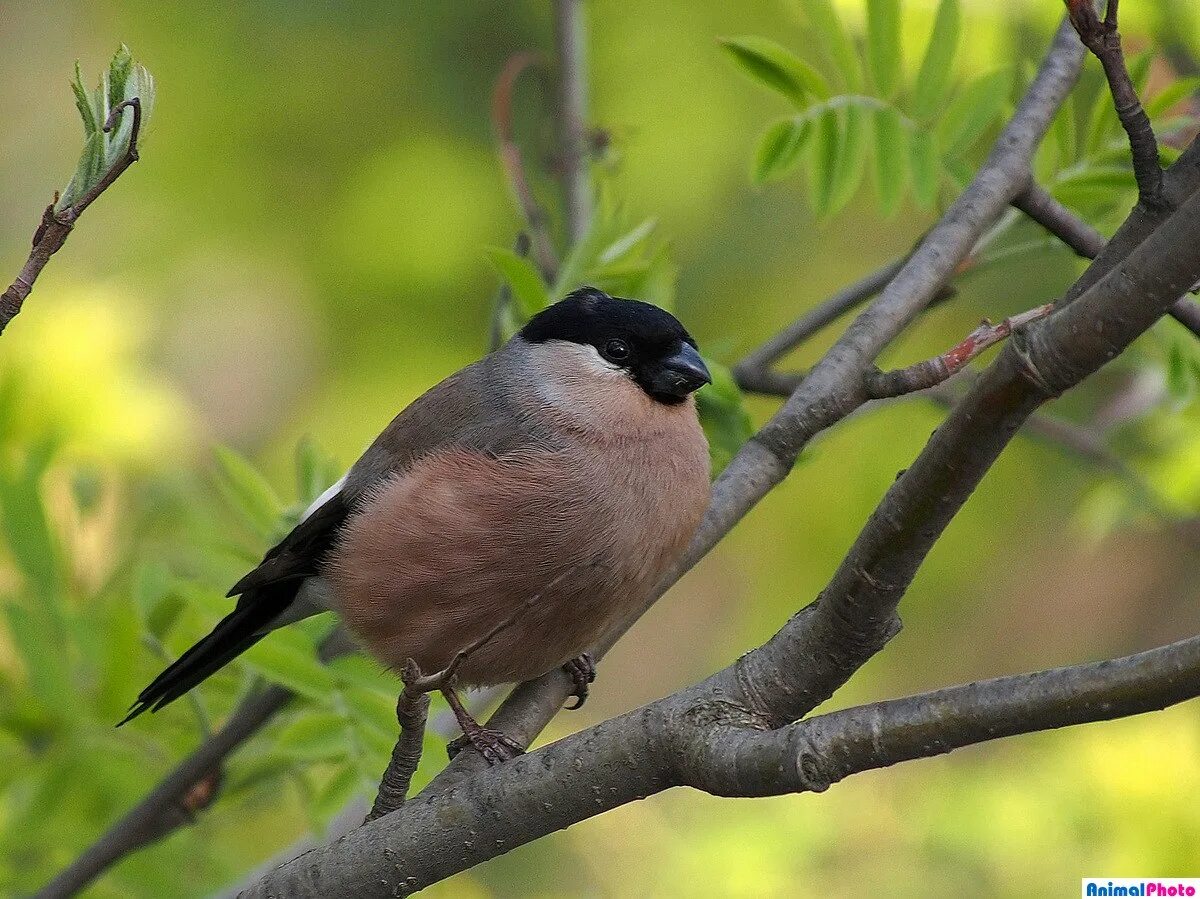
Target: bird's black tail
x=236, y=632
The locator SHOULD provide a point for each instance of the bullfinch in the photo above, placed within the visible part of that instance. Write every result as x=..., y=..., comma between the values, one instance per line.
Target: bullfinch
x=549, y=485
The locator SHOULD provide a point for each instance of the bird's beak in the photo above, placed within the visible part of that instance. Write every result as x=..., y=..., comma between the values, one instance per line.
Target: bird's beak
x=682, y=373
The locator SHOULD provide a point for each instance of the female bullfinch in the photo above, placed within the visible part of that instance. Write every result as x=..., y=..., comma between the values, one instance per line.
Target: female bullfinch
x=558, y=477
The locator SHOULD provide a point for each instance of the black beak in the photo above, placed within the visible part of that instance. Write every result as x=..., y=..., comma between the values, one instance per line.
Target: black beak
x=680, y=374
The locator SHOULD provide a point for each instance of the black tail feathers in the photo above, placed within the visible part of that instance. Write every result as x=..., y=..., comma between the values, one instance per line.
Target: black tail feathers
x=233, y=635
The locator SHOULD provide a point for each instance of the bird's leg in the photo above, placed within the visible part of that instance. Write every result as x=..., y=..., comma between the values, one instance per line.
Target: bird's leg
x=493, y=745
x=583, y=672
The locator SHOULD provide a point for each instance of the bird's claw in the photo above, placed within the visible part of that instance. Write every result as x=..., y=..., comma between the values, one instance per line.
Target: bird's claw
x=494, y=746
x=582, y=670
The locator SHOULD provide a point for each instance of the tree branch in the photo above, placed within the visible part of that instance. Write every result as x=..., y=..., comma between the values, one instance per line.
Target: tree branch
x=931, y=372
x=56, y=227
x=1103, y=39
x=570, y=36
x=412, y=710
x=820, y=751
x=731, y=733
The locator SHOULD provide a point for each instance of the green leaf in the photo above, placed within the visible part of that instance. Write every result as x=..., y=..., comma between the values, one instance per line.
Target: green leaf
x=1181, y=379
x=723, y=415
x=883, y=44
x=934, y=75
x=336, y=793
x=41, y=650
x=891, y=159
x=158, y=602
x=972, y=110
x=959, y=170
x=522, y=276
x=1172, y=95
x=627, y=243
x=315, y=470
x=247, y=491
x=823, y=161
x=1098, y=184
x=290, y=659
x=314, y=736
x=123, y=80
x=362, y=673
x=83, y=102
x=117, y=79
x=781, y=148
x=836, y=41
x=375, y=711
x=925, y=167
x=29, y=537
x=851, y=158
x=776, y=67
x=1065, y=129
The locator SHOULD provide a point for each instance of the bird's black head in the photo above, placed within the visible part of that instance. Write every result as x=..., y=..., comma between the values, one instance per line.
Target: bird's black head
x=649, y=344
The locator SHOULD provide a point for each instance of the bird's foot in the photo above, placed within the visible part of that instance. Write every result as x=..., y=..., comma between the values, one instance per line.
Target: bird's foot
x=494, y=746
x=583, y=672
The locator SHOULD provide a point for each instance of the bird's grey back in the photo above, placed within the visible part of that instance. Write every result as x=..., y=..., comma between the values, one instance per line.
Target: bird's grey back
x=482, y=407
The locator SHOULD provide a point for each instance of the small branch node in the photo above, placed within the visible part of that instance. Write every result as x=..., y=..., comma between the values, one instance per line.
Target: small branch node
x=931, y=372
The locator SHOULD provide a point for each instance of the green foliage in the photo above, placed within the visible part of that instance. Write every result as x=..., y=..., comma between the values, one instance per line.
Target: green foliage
x=898, y=125
x=79, y=647
x=922, y=134
x=777, y=67
x=124, y=80
x=723, y=414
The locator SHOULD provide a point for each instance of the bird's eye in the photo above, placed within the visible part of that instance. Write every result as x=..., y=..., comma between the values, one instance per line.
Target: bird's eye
x=616, y=351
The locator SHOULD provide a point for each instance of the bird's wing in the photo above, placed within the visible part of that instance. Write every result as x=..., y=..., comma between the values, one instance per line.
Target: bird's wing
x=466, y=410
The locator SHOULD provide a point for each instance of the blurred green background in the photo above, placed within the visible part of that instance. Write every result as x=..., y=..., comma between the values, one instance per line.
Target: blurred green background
x=301, y=252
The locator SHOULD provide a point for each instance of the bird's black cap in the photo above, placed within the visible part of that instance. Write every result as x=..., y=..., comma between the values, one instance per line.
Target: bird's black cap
x=649, y=342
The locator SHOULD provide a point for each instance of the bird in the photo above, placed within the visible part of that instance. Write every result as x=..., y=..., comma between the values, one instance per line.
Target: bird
x=510, y=515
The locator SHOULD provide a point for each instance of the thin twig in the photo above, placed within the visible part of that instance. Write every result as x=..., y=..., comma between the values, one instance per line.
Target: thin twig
x=570, y=36
x=514, y=163
x=1103, y=39
x=412, y=710
x=756, y=365
x=923, y=375
x=55, y=226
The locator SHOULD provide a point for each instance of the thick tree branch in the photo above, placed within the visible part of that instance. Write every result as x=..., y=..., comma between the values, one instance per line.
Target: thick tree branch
x=1045, y=360
x=730, y=733
x=56, y=226
x=818, y=752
